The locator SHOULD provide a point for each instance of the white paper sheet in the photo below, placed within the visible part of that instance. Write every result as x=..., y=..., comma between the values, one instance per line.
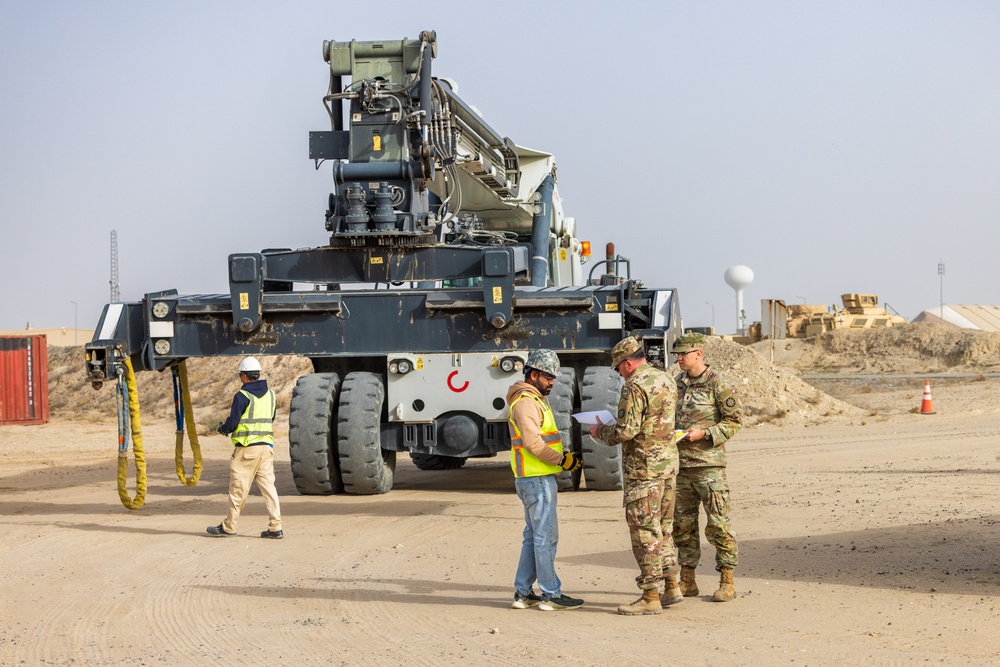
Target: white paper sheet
x=591, y=417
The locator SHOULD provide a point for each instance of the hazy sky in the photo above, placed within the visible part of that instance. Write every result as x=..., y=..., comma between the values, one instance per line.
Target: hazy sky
x=831, y=146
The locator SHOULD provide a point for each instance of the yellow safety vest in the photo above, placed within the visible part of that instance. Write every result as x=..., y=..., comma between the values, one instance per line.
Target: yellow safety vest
x=522, y=461
x=257, y=421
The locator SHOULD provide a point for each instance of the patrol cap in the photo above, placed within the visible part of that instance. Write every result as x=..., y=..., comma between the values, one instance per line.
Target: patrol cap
x=542, y=360
x=625, y=348
x=688, y=342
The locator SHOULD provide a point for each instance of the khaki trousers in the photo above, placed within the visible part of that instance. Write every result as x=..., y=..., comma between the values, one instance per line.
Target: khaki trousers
x=252, y=464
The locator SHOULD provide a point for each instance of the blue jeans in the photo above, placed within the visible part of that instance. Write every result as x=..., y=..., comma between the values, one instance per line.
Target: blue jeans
x=541, y=535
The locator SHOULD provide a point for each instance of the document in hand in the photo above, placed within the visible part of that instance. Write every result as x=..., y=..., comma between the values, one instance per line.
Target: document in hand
x=591, y=417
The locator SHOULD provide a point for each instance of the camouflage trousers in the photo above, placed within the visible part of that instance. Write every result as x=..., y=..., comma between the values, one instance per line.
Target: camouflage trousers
x=649, y=513
x=703, y=486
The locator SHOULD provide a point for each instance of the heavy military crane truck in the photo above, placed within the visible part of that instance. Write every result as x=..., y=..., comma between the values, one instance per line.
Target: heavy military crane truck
x=449, y=259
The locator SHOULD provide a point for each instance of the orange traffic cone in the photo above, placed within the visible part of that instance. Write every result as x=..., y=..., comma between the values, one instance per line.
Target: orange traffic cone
x=926, y=407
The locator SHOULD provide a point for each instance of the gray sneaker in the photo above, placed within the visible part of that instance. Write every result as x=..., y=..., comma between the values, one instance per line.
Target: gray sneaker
x=218, y=532
x=559, y=603
x=273, y=534
x=525, y=601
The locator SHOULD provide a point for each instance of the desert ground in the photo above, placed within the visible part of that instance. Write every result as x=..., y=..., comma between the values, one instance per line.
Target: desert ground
x=868, y=535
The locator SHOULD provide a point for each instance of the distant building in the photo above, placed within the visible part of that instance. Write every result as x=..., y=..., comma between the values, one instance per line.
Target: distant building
x=978, y=318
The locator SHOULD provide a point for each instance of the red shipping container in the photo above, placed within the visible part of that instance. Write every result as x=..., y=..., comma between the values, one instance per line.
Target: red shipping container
x=24, y=380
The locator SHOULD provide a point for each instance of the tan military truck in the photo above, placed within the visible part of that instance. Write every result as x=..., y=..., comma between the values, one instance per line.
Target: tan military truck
x=860, y=311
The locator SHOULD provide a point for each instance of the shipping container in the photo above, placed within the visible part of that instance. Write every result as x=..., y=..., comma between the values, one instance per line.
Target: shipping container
x=24, y=380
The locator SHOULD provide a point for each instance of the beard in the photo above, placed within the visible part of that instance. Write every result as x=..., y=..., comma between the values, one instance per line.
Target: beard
x=542, y=388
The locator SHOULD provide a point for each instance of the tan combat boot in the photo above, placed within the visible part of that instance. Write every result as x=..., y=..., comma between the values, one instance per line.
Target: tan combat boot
x=649, y=603
x=671, y=593
x=727, y=591
x=688, y=586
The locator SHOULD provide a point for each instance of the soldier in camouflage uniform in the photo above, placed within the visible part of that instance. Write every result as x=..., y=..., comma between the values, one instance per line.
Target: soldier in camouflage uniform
x=645, y=431
x=710, y=412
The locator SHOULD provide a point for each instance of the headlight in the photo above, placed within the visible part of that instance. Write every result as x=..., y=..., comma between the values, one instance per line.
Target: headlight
x=511, y=364
x=400, y=366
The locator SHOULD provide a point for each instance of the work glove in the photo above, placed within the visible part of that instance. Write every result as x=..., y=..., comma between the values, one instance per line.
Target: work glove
x=219, y=428
x=571, y=462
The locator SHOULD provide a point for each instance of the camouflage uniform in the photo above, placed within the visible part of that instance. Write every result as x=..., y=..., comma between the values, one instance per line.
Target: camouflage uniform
x=645, y=429
x=705, y=402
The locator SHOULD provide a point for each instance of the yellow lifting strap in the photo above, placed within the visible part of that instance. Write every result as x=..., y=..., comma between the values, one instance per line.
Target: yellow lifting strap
x=185, y=416
x=128, y=423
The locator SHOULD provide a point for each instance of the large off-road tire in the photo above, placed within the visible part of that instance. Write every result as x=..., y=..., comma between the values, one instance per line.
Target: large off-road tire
x=437, y=461
x=602, y=465
x=562, y=400
x=365, y=468
x=312, y=435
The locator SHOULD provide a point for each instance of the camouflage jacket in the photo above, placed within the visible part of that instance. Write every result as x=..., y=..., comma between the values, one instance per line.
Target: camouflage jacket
x=645, y=426
x=707, y=402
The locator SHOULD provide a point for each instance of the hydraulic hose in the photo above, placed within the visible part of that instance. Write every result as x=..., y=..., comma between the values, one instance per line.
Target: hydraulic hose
x=128, y=423
x=184, y=414
x=541, y=224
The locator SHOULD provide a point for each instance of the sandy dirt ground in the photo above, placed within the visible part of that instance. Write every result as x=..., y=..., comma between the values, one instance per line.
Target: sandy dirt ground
x=863, y=540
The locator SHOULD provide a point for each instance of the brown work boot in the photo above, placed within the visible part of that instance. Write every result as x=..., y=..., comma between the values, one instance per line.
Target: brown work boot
x=671, y=593
x=727, y=591
x=688, y=586
x=649, y=603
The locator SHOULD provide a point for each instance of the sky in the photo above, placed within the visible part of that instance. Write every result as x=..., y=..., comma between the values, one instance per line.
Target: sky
x=832, y=147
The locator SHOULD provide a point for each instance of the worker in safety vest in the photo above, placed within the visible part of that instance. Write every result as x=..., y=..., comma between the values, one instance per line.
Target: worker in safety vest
x=537, y=457
x=251, y=427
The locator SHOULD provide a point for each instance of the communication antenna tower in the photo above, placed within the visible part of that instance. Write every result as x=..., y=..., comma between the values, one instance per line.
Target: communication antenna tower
x=115, y=291
x=941, y=273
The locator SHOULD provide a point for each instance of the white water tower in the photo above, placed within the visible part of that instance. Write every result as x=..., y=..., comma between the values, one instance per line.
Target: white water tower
x=738, y=277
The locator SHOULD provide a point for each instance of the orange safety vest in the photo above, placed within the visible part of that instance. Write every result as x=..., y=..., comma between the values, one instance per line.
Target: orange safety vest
x=522, y=461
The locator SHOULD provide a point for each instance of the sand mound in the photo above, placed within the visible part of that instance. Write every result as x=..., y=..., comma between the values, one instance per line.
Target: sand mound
x=911, y=348
x=770, y=393
x=212, y=383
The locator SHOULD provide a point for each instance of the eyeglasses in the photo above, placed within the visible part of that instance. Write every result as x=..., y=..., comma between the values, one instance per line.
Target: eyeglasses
x=547, y=376
x=681, y=354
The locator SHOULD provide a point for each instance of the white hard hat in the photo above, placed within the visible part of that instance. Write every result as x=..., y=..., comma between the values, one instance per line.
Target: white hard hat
x=249, y=365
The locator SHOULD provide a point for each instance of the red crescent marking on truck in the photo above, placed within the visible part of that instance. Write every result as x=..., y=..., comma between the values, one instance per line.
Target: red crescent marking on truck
x=455, y=389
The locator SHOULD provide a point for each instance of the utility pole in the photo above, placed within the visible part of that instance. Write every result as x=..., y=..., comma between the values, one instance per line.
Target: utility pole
x=76, y=310
x=713, y=314
x=941, y=274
